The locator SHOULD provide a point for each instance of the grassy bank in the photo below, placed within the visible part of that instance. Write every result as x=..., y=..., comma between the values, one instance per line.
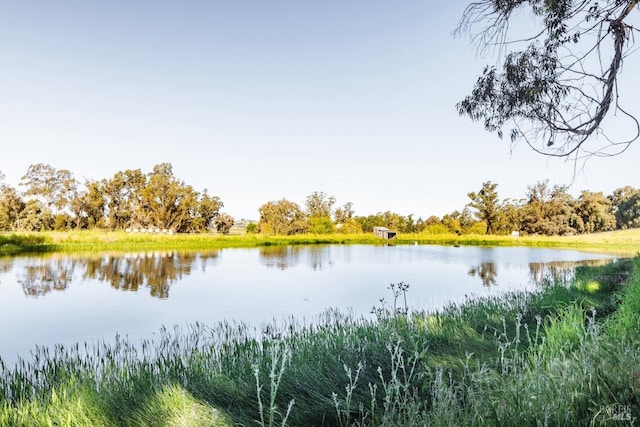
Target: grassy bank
x=621, y=242
x=566, y=355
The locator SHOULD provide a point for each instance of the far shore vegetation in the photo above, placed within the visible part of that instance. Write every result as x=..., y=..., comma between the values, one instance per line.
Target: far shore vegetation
x=134, y=210
x=50, y=199
x=622, y=242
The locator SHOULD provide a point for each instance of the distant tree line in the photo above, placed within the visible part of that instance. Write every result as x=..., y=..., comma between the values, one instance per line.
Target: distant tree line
x=545, y=210
x=52, y=199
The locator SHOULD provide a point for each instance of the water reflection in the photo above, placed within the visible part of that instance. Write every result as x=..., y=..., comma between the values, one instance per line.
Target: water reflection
x=40, y=278
x=283, y=257
x=558, y=271
x=158, y=271
x=131, y=272
x=539, y=272
x=6, y=264
x=487, y=272
x=280, y=257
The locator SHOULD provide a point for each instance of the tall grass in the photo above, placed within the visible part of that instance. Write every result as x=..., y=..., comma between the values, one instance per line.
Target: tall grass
x=625, y=242
x=566, y=355
x=14, y=244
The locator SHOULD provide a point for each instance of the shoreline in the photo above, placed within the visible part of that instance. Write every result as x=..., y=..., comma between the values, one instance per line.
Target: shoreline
x=623, y=243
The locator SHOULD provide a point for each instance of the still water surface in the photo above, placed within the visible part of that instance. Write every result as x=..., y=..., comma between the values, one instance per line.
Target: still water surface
x=65, y=299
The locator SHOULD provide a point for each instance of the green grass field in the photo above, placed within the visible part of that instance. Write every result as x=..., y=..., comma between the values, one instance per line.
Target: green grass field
x=626, y=242
x=568, y=354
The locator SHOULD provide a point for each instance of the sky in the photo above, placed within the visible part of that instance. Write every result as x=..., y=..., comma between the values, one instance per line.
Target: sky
x=263, y=100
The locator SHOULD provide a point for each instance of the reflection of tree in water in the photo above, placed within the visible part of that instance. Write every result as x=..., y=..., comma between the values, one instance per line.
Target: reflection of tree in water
x=6, y=264
x=319, y=256
x=280, y=257
x=487, y=273
x=43, y=276
x=558, y=271
x=154, y=270
x=539, y=272
x=283, y=257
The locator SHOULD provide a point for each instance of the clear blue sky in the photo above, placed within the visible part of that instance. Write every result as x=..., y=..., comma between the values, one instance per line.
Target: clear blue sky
x=260, y=100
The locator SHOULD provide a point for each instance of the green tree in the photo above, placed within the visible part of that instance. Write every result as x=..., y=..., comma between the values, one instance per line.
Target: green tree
x=511, y=212
x=433, y=225
x=350, y=226
x=55, y=187
x=319, y=205
x=282, y=217
x=321, y=225
x=344, y=213
x=457, y=223
x=11, y=207
x=251, y=228
x=410, y=224
x=35, y=216
x=452, y=222
x=487, y=206
x=548, y=210
x=167, y=200
x=393, y=221
x=626, y=205
x=93, y=204
x=557, y=84
x=207, y=209
x=594, y=212
x=319, y=208
x=123, y=199
x=224, y=222
x=367, y=223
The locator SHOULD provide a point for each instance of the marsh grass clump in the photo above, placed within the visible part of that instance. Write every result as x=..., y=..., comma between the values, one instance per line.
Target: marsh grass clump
x=565, y=355
x=14, y=244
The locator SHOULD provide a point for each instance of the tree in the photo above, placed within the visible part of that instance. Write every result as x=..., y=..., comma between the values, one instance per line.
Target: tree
x=594, y=213
x=167, y=200
x=224, y=222
x=548, y=210
x=367, y=223
x=319, y=208
x=321, y=225
x=511, y=215
x=433, y=225
x=626, y=205
x=350, y=226
x=344, y=213
x=557, y=85
x=35, y=217
x=487, y=206
x=11, y=206
x=207, y=209
x=319, y=205
x=123, y=199
x=394, y=221
x=251, y=228
x=55, y=187
x=452, y=222
x=282, y=217
x=93, y=204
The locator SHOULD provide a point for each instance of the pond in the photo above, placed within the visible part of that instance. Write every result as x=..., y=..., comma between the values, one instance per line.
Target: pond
x=56, y=298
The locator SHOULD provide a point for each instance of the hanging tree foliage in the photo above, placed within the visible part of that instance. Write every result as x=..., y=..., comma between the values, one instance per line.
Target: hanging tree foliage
x=557, y=89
